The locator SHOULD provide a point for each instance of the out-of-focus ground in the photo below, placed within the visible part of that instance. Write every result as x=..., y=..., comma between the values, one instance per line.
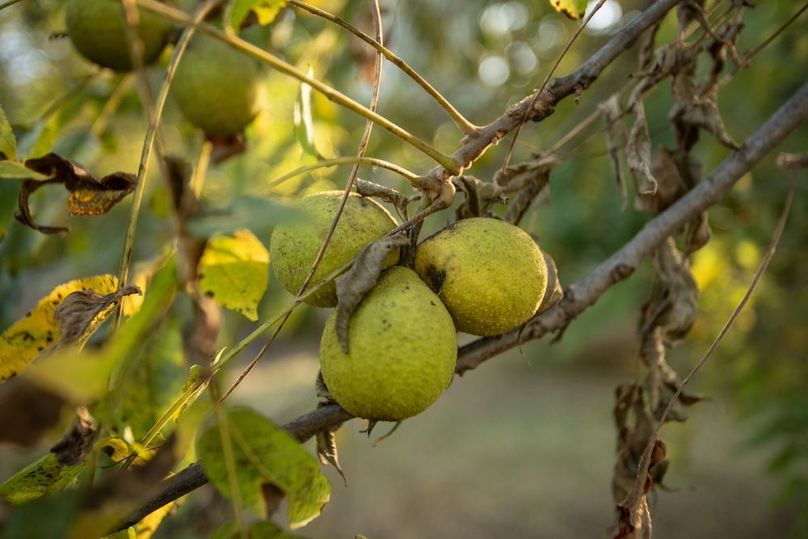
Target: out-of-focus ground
x=515, y=449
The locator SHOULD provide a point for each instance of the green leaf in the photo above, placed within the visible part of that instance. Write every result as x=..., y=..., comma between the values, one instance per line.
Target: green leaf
x=45, y=476
x=234, y=270
x=574, y=9
x=265, y=454
x=258, y=530
x=8, y=144
x=153, y=381
x=84, y=377
x=265, y=11
x=12, y=170
x=304, y=124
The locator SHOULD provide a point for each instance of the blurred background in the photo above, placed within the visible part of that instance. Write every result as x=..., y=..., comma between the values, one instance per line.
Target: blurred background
x=523, y=446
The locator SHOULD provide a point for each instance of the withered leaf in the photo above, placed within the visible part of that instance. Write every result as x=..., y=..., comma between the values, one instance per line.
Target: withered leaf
x=553, y=292
x=27, y=411
x=479, y=196
x=638, y=153
x=670, y=184
x=326, y=440
x=80, y=312
x=525, y=183
x=703, y=113
x=78, y=440
x=88, y=194
x=360, y=279
x=615, y=137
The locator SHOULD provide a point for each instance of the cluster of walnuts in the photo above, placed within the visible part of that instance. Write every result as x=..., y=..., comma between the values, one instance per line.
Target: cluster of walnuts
x=480, y=276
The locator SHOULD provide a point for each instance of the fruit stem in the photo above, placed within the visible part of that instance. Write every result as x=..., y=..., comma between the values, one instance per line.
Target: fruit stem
x=180, y=17
x=465, y=125
x=413, y=178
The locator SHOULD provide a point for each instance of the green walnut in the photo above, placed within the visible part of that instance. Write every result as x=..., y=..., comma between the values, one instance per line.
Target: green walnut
x=97, y=29
x=294, y=245
x=490, y=274
x=216, y=87
x=402, y=350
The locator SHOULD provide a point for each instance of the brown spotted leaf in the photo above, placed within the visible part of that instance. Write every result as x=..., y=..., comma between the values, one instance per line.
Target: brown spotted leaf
x=88, y=195
x=78, y=440
x=81, y=312
x=361, y=278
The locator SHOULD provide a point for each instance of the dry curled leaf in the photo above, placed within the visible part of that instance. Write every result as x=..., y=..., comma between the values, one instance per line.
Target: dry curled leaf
x=553, y=292
x=638, y=154
x=326, y=439
x=670, y=184
x=524, y=183
x=80, y=313
x=88, y=195
x=361, y=278
x=479, y=196
x=78, y=440
x=615, y=138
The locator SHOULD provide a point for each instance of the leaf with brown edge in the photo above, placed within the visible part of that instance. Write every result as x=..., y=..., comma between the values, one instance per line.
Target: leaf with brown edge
x=21, y=343
x=78, y=440
x=80, y=313
x=354, y=285
x=88, y=195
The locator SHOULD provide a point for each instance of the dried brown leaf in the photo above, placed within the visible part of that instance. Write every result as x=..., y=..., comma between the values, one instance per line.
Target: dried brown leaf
x=670, y=184
x=704, y=114
x=79, y=314
x=553, y=292
x=78, y=440
x=361, y=278
x=615, y=137
x=88, y=195
x=638, y=154
x=387, y=194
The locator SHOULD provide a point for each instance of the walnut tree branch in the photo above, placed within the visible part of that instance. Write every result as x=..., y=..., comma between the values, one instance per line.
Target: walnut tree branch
x=577, y=298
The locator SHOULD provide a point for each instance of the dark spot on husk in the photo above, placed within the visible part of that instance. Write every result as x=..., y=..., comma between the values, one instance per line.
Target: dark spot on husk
x=436, y=278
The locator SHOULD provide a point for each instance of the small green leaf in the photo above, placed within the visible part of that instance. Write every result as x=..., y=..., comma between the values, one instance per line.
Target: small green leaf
x=265, y=11
x=45, y=476
x=8, y=144
x=12, y=170
x=574, y=9
x=304, y=124
x=265, y=454
x=234, y=271
x=258, y=530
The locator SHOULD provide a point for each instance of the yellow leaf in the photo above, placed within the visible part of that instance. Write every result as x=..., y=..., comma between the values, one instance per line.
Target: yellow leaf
x=574, y=9
x=233, y=271
x=21, y=343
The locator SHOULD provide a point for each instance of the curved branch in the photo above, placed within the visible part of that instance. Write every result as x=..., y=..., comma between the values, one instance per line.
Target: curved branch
x=537, y=107
x=577, y=297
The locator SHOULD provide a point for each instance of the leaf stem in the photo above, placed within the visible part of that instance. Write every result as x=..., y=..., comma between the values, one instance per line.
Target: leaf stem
x=182, y=18
x=410, y=176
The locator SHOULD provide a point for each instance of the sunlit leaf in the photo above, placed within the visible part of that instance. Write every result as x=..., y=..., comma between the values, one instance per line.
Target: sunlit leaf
x=84, y=377
x=8, y=144
x=12, y=170
x=265, y=11
x=146, y=527
x=304, y=124
x=234, y=270
x=264, y=455
x=21, y=343
x=45, y=476
x=574, y=9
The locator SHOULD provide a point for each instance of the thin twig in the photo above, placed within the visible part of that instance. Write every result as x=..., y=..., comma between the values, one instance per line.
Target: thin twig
x=546, y=80
x=465, y=125
x=645, y=460
x=180, y=17
x=579, y=296
x=411, y=177
x=363, y=145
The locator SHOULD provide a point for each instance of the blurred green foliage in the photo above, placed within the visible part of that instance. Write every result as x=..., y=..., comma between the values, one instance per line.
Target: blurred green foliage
x=482, y=56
